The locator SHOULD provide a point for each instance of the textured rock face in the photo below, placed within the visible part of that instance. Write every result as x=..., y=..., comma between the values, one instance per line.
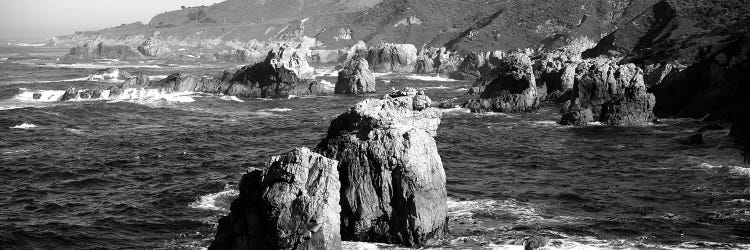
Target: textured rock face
x=609, y=93
x=99, y=50
x=437, y=60
x=477, y=65
x=355, y=78
x=282, y=74
x=514, y=89
x=392, y=178
x=397, y=58
x=154, y=48
x=292, y=204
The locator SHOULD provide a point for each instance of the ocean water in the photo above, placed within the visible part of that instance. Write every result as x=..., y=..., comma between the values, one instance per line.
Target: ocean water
x=158, y=171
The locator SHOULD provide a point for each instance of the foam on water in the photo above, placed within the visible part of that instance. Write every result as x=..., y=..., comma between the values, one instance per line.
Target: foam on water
x=457, y=110
x=276, y=110
x=128, y=94
x=220, y=201
x=735, y=170
x=30, y=44
x=231, y=98
x=96, y=66
x=24, y=126
x=429, y=78
x=46, y=95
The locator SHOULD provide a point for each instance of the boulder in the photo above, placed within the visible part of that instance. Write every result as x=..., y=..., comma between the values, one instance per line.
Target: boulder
x=609, y=93
x=355, y=78
x=514, y=89
x=392, y=177
x=388, y=57
x=70, y=94
x=153, y=47
x=292, y=204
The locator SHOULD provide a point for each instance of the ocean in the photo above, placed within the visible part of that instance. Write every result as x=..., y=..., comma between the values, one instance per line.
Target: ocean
x=157, y=171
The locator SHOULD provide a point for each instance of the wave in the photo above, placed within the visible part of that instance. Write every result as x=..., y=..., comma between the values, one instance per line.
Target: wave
x=735, y=170
x=327, y=85
x=220, y=201
x=128, y=94
x=276, y=110
x=231, y=98
x=24, y=126
x=30, y=44
x=429, y=78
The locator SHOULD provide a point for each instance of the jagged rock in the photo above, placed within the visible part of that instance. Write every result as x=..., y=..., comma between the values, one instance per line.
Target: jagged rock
x=282, y=74
x=396, y=58
x=154, y=48
x=109, y=74
x=393, y=182
x=292, y=204
x=70, y=94
x=137, y=81
x=609, y=93
x=355, y=78
x=99, y=50
x=514, y=89
x=477, y=65
x=437, y=60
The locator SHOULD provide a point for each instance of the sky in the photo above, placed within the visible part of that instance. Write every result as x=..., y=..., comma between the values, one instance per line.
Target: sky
x=42, y=19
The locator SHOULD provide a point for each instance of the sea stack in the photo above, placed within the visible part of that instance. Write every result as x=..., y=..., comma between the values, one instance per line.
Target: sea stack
x=292, y=204
x=396, y=58
x=513, y=90
x=609, y=93
x=392, y=177
x=355, y=78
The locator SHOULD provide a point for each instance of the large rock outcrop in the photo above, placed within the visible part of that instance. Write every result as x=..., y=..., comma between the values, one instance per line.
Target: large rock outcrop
x=153, y=47
x=292, y=204
x=513, y=90
x=609, y=93
x=100, y=50
x=437, y=60
x=388, y=57
x=355, y=78
x=476, y=65
x=392, y=178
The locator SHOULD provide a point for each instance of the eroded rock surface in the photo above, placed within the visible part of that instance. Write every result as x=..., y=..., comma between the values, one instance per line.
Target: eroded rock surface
x=355, y=78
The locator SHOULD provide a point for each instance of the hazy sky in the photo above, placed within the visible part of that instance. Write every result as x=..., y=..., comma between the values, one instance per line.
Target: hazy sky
x=41, y=19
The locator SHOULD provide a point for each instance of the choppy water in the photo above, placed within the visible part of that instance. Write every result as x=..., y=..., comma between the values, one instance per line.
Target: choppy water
x=157, y=172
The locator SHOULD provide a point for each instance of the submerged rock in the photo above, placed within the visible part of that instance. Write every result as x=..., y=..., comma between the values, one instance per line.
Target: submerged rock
x=355, y=78
x=292, y=204
x=609, y=93
x=396, y=58
x=393, y=182
x=514, y=89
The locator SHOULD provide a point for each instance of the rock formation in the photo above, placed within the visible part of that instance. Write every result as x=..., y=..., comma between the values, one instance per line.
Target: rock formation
x=355, y=78
x=154, y=48
x=514, y=89
x=396, y=58
x=392, y=178
x=609, y=93
x=100, y=50
x=140, y=80
x=292, y=204
x=109, y=74
x=437, y=60
x=476, y=65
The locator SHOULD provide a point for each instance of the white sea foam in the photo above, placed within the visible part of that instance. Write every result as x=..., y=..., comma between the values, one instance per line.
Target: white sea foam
x=30, y=44
x=231, y=98
x=735, y=170
x=327, y=85
x=96, y=66
x=157, y=77
x=217, y=201
x=457, y=110
x=330, y=72
x=46, y=95
x=428, y=78
x=128, y=94
x=24, y=126
x=276, y=110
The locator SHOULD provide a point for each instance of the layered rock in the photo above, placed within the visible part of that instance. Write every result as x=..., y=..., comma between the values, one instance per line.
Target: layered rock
x=292, y=204
x=392, y=177
x=154, y=48
x=100, y=50
x=355, y=78
x=514, y=89
x=609, y=93
x=388, y=57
